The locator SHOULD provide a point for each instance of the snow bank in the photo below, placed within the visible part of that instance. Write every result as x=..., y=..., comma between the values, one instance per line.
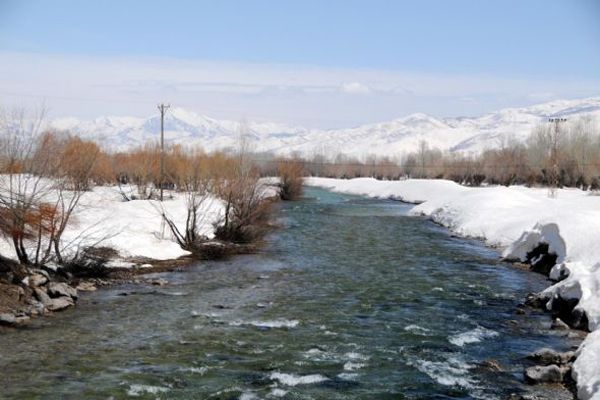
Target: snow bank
x=133, y=228
x=516, y=219
x=541, y=233
x=585, y=368
x=410, y=191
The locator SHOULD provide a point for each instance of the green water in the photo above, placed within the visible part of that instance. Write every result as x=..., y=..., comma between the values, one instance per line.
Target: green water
x=351, y=299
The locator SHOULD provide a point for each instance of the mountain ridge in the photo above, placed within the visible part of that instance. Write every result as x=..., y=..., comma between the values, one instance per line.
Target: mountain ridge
x=388, y=138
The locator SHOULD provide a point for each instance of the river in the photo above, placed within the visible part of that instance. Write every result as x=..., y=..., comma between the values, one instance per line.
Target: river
x=351, y=299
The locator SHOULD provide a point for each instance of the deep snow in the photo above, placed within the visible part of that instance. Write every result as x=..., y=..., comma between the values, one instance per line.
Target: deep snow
x=516, y=219
x=133, y=228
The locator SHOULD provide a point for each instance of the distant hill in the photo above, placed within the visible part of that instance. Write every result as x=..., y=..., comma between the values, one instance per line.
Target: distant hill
x=392, y=138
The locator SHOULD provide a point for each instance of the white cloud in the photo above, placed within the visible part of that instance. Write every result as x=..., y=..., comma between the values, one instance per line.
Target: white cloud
x=312, y=96
x=355, y=88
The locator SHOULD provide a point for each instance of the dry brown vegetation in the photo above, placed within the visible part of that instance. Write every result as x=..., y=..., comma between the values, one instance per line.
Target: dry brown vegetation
x=246, y=215
x=188, y=172
x=576, y=162
x=43, y=177
x=140, y=168
x=234, y=178
x=44, y=174
x=290, y=174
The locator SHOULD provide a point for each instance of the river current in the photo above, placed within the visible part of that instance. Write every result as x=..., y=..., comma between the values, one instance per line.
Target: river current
x=350, y=299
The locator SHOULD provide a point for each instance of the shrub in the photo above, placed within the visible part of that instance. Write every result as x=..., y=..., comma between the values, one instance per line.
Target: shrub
x=91, y=263
x=290, y=175
x=247, y=212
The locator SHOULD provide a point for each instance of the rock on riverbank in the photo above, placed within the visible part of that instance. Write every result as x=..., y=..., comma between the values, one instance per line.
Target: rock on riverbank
x=37, y=294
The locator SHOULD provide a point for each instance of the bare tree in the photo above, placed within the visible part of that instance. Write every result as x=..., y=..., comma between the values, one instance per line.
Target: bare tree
x=23, y=188
x=45, y=175
x=187, y=171
x=71, y=181
x=422, y=151
x=139, y=168
x=246, y=213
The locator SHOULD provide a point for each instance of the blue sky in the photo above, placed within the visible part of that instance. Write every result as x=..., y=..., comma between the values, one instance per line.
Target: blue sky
x=515, y=52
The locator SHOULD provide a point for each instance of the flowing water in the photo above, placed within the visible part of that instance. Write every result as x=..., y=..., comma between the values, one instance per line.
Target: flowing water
x=351, y=299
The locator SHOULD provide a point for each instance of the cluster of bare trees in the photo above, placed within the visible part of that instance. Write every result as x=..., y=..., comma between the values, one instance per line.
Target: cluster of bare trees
x=246, y=212
x=568, y=156
x=202, y=179
x=291, y=169
x=44, y=174
x=187, y=172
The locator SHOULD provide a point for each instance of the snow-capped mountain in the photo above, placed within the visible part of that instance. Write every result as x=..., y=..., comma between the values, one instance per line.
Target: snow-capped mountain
x=392, y=138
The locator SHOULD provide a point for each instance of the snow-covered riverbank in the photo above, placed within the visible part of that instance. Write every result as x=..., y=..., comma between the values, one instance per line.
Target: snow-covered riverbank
x=133, y=228
x=516, y=219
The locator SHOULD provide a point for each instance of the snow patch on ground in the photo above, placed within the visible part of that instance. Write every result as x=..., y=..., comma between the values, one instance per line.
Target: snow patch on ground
x=410, y=191
x=516, y=219
x=133, y=228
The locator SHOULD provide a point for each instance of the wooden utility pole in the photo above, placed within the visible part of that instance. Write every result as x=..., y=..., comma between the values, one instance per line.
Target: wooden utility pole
x=163, y=109
x=555, y=173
